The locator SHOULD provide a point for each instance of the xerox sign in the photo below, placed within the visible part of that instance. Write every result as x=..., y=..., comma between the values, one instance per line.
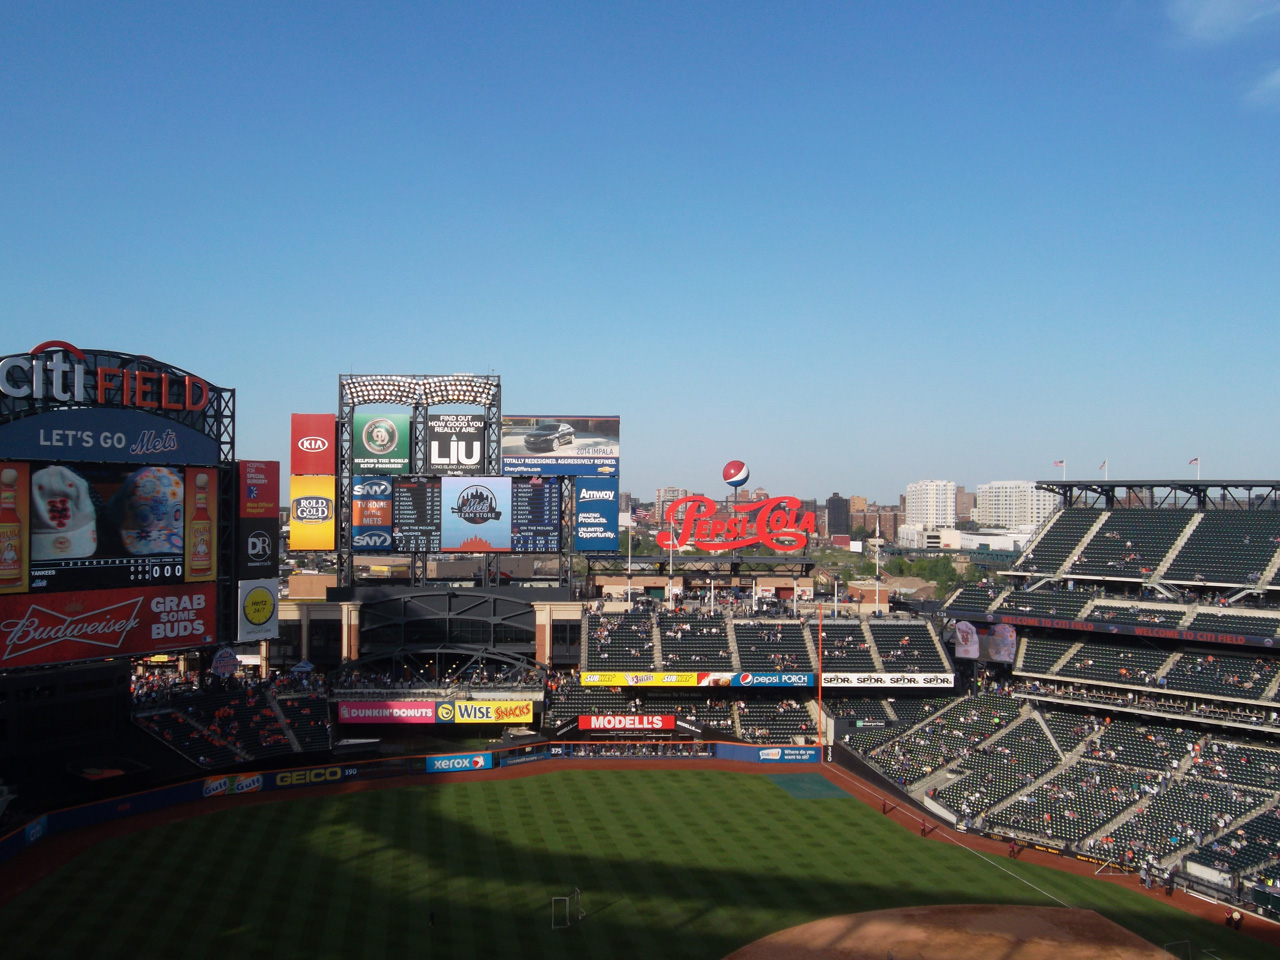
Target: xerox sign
x=460, y=763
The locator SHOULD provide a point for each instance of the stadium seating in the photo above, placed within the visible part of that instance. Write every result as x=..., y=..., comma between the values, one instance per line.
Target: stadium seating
x=1078, y=801
x=307, y=714
x=702, y=705
x=1070, y=729
x=1059, y=541
x=1245, y=846
x=1043, y=652
x=778, y=719
x=570, y=699
x=778, y=645
x=1221, y=622
x=1152, y=746
x=1225, y=675
x=1115, y=663
x=1136, y=616
x=906, y=647
x=193, y=743
x=1228, y=547
x=844, y=648
x=621, y=641
x=954, y=733
x=1131, y=543
x=694, y=642
x=1226, y=761
x=1062, y=604
x=1177, y=818
x=909, y=713
x=1000, y=769
x=974, y=597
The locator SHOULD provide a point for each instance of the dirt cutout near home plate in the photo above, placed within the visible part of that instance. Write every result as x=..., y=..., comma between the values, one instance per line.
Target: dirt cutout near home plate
x=962, y=932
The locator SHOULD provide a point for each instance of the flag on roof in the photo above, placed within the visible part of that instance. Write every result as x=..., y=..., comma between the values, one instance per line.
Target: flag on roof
x=1194, y=462
x=1104, y=465
x=1059, y=463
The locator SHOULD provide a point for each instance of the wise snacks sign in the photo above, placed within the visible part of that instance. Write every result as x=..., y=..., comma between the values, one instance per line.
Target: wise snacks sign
x=435, y=711
x=778, y=523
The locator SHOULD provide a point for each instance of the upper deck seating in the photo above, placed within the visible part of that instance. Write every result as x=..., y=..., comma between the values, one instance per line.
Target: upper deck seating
x=1131, y=543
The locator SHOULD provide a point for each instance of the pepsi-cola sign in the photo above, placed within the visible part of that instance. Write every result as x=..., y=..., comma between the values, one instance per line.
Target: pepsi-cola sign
x=778, y=523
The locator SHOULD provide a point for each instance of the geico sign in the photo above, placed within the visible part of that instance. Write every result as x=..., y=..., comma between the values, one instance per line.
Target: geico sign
x=300, y=778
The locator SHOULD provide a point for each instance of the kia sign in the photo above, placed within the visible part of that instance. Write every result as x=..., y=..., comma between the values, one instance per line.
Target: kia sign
x=313, y=448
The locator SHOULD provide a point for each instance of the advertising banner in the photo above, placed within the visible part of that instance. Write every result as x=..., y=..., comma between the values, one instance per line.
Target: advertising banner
x=789, y=755
x=387, y=711
x=258, y=554
x=15, y=521
x=371, y=515
x=259, y=617
x=457, y=763
x=889, y=680
x=87, y=435
x=626, y=722
x=382, y=443
x=455, y=444
x=201, y=542
x=316, y=776
x=714, y=679
x=475, y=514
x=233, y=784
x=484, y=711
x=311, y=513
x=225, y=663
x=771, y=680
x=415, y=515
x=595, y=524
x=259, y=489
x=560, y=446
x=998, y=642
x=313, y=444
x=88, y=625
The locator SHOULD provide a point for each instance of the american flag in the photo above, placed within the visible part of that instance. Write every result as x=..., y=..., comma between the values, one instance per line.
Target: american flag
x=1059, y=463
x=1193, y=462
x=1104, y=465
x=638, y=514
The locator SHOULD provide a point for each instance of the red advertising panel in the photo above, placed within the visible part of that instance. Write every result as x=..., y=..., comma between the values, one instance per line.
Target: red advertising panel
x=626, y=721
x=129, y=622
x=259, y=489
x=313, y=444
x=387, y=711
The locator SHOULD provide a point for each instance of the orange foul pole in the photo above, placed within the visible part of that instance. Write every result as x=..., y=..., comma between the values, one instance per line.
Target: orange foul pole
x=819, y=681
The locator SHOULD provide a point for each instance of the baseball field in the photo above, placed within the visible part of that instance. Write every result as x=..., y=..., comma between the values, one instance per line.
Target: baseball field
x=670, y=863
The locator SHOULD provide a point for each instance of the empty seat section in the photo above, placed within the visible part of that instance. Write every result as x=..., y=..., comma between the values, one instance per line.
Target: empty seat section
x=1216, y=622
x=1177, y=818
x=1059, y=541
x=1000, y=769
x=704, y=705
x=1227, y=675
x=906, y=647
x=1043, y=652
x=1063, y=604
x=1245, y=846
x=845, y=649
x=952, y=734
x=1152, y=746
x=1228, y=547
x=775, y=720
x=1077, y=801
x=307, y=714
x=776, y=645
x=694, y=642
x=1136, y=616
x=973, y=597
x=621, y=641
x=1131, y=543
x=1070, y=729
x=1115, y=663
x=1248, y=765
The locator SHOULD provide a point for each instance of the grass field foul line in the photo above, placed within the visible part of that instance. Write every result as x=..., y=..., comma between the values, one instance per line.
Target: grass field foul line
x=946, y=836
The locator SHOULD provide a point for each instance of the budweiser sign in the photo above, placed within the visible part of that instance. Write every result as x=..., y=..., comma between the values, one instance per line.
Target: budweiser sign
x=101, y=623
x=778, y=523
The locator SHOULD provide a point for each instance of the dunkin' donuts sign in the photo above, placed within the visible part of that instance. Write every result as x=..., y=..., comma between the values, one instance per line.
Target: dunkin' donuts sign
x=778, y=523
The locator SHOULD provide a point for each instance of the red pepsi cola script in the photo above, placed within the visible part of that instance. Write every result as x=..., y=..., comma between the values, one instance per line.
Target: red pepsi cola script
x=777, y=523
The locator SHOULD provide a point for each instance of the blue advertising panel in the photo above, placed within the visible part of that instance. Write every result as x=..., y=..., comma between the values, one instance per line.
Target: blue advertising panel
x=371, y=514
x=106, y=436
x=772, y=680
x=595, y=525
x=460, y=762
x=560, y=446
x=475, y=514
x=753, y=754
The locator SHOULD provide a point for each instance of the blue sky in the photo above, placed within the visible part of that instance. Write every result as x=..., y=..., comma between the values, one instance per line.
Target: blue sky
x=855, y=245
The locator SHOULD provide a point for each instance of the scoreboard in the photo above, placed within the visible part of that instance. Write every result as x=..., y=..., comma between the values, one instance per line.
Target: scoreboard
x=415, y=515
x=535, y=515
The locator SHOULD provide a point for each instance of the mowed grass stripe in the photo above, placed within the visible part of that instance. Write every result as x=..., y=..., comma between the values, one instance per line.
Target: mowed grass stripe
x=677, y=864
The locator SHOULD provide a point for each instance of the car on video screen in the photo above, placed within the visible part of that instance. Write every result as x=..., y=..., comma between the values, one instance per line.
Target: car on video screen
x=548, y=436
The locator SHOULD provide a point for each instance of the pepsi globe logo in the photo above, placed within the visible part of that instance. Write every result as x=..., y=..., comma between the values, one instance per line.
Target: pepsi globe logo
x=736, y=473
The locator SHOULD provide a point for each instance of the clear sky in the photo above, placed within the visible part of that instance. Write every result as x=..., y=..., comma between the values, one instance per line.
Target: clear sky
x=854, y=245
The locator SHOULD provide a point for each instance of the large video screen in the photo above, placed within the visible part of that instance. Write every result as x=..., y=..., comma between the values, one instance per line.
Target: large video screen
x=83, y=526
x=997, y=642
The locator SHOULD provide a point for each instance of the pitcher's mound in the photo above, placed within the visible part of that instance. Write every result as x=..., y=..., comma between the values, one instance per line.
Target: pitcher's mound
x=966, y=932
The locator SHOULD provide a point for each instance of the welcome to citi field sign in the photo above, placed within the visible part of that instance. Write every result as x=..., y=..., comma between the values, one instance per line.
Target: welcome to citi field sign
x=779, y=523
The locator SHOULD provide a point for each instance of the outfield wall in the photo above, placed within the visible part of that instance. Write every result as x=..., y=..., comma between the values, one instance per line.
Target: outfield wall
x=235, y=784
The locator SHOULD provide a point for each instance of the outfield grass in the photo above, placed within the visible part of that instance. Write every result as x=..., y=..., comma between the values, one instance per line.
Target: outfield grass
x=670, y=864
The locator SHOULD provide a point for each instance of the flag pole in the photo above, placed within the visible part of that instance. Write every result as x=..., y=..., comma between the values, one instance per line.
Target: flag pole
x=1064, y=470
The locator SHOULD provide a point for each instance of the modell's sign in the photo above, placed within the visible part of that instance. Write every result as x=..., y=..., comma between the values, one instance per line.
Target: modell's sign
x=778, y=523
x=56, y=370
x=104, y=623
x=625, y=722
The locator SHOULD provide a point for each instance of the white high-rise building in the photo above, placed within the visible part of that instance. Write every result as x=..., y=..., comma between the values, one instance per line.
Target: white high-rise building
x=1013, y=503
x=931, y=504
x=665, y=496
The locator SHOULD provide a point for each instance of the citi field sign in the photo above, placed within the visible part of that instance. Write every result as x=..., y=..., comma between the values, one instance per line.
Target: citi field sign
x=778, y=523
x=58, y=371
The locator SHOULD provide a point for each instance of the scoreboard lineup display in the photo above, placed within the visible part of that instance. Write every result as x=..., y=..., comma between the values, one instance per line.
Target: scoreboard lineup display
x=393, y=514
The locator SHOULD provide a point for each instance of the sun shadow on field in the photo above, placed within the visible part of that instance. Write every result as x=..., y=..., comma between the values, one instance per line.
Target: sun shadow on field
x=674, y=864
